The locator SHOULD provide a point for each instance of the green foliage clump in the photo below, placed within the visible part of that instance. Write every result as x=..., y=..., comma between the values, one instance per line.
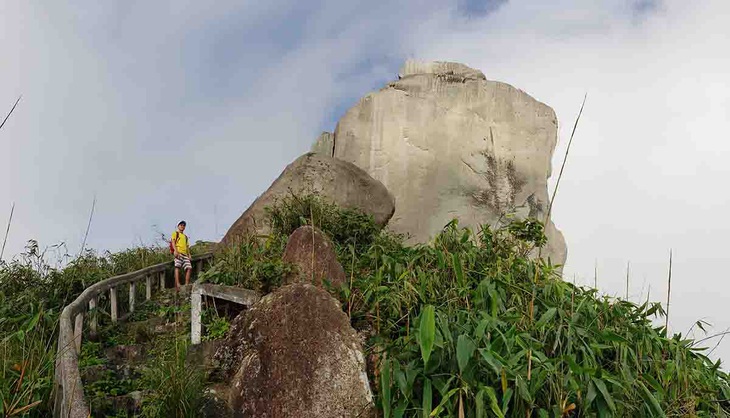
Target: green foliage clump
x=32, y=295
x=254, y=263
x=471, y=326
x=176, y=387
x=216, y=326
x=344, y=226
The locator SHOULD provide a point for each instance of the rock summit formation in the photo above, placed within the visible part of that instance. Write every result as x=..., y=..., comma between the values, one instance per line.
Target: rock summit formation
x=449, y=143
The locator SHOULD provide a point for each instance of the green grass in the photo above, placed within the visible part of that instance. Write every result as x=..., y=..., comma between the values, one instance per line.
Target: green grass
x=176, y=388
x=468, y=325
x=32, y=295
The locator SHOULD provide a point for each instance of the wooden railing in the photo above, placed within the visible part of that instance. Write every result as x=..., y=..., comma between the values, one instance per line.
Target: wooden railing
x=243, y=297
x=69, y=396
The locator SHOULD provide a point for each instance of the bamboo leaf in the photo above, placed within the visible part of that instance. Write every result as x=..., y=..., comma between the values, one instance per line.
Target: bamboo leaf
x=604, y=393
x=458, y=270
x=506, y=397
x=427, y=331
x=480, y=411
x=496, y=365
x=443, y=402
x=546, y=317
x=385, y=387
x=493, y=404
x=427, y=398
x=399, y=411
x=650, y=400
x=464, y=351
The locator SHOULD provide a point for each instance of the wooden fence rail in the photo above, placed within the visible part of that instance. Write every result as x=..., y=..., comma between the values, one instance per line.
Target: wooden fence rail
x=69, y=395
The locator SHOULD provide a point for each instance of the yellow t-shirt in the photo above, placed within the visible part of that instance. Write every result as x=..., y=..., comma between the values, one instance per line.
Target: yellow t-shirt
x=180, y=241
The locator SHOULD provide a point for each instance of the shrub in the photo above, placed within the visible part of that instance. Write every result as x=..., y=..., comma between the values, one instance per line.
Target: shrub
x=470, y=326
x=254, y=263
x=32, y=295
x=177, y=388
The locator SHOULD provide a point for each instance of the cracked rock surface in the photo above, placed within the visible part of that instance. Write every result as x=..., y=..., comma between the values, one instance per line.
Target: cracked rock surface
x=449, y=143
x=294, y=354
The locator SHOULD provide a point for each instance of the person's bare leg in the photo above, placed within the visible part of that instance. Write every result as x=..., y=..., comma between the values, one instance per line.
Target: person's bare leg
x=187, y=276
x=177, y=279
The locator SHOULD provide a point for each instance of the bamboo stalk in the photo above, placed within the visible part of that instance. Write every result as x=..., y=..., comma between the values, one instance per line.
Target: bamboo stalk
x=565, y=159
x=88, y=226
x=11, y=112
x=669, y=292
x=562, y=167
x=547, y=218
x=7, y=231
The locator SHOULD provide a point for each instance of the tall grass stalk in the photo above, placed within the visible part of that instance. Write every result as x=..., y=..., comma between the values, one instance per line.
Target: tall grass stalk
x=7, y=230
x=565, y=159
x=11, y=112
x=177, y=386
x=88, y=225
x=669, y=292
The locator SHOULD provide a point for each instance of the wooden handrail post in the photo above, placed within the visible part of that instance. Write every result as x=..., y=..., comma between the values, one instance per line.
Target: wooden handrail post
x=78, y=331
x=198, y=269
x=148, y=288
x=162, y=279
x=132, y=294
x=92, y=318
x=195, y=312
x=113, y=300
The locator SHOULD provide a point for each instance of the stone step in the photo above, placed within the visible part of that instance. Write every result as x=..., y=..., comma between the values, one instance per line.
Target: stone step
x=216, y=405
x=126, y=354
x=202, y=354
x=130, y=403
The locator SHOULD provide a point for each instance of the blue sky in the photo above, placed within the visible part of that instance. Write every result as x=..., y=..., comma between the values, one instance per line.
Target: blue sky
x=180, y=109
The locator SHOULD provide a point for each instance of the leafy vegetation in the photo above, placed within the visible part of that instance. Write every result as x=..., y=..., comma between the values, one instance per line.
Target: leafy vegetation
x=177, y=387
x=32, y=295
x=255, y=264
x=216, y=326
x=471, y=326
x=468, y=325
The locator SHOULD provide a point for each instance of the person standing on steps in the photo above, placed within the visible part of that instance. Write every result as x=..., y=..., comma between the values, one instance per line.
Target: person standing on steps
x=181, y=249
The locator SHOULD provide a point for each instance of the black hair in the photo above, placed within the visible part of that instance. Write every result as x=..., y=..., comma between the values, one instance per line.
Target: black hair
x=183, y=223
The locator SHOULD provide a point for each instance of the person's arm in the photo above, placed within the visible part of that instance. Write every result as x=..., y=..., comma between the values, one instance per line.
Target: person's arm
x=174, y=244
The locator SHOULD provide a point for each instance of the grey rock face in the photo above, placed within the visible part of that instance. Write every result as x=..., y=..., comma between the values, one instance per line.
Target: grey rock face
x=336, y=180
x=448, y=143
x=294, y=354
x=325, y=144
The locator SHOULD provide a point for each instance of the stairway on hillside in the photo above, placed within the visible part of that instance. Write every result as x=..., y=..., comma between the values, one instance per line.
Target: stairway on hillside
x=121, y=369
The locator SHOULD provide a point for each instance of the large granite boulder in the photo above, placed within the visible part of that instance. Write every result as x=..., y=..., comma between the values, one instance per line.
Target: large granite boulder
x=448, y=143
x=294, y=354
x=335, y=180
x=313, y=253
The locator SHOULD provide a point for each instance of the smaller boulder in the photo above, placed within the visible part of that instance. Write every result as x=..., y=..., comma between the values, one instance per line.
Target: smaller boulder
x=295, y=354
x=313, y=253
